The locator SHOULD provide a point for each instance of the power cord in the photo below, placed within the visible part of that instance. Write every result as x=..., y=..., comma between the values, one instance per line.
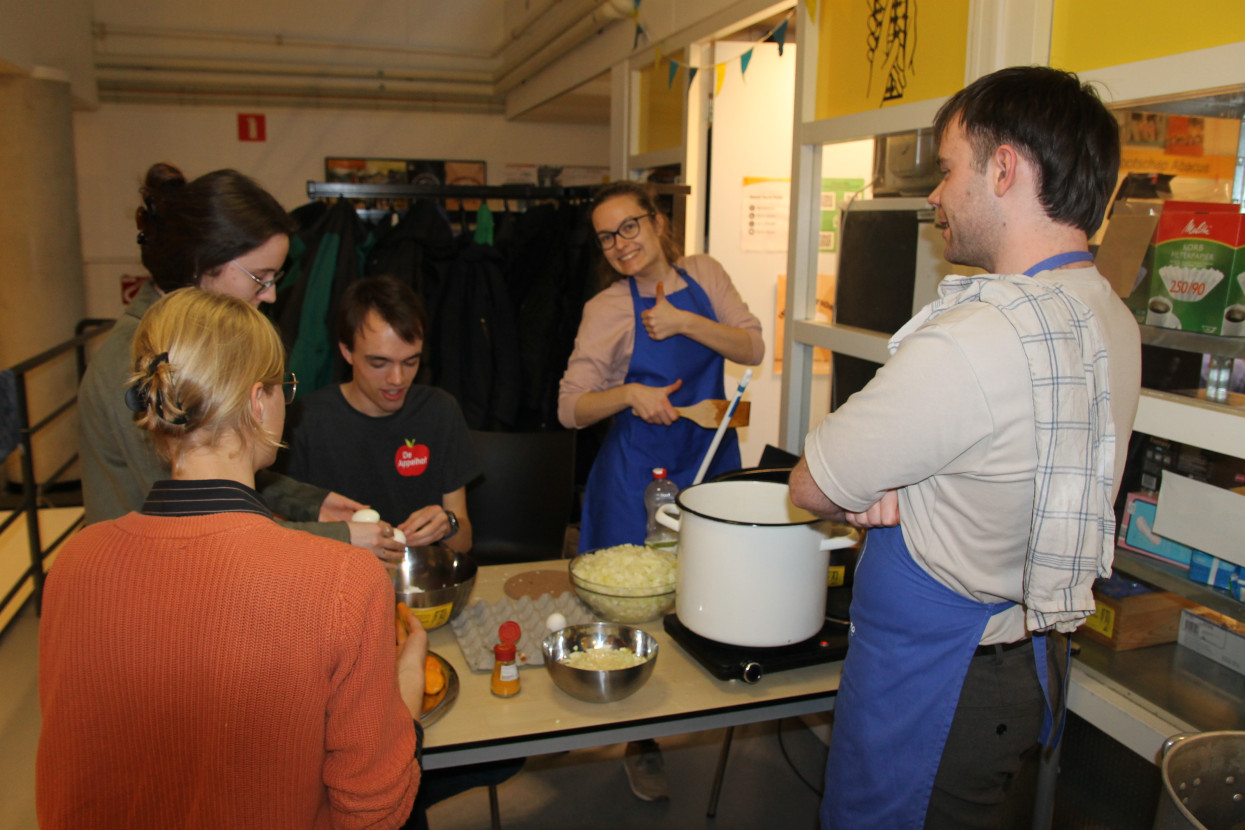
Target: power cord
x=782, y=747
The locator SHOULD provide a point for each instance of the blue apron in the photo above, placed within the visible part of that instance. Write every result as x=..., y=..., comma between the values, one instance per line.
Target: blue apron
x=910, y=644
x=613, y=512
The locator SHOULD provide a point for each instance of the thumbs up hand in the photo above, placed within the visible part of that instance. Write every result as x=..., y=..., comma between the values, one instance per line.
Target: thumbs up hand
x=663, y=320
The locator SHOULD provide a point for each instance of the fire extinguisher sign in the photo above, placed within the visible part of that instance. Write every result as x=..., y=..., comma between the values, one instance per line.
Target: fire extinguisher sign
x=251, y=127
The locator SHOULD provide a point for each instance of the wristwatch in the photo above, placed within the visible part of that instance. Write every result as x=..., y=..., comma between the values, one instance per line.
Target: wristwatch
x=449, y=514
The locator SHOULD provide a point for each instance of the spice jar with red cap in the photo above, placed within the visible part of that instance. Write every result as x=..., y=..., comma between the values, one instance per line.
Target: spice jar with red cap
x=505, y=672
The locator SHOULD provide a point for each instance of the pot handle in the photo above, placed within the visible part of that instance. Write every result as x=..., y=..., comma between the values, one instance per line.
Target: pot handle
x=837, y=542
x=665, y=516
x=1172, y=741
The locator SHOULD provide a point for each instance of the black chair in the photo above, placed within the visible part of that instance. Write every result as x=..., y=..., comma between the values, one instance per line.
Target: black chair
x=520, y=507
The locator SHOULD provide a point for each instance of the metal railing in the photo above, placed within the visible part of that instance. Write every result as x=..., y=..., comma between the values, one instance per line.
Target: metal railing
x=33, y=491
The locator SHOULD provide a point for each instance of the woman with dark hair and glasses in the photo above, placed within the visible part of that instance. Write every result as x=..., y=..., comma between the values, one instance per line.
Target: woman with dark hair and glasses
x=229, y=236
x=656, y=337
x=199, y=664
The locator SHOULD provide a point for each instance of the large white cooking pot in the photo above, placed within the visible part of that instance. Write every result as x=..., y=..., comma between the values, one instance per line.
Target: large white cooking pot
x=752, y=566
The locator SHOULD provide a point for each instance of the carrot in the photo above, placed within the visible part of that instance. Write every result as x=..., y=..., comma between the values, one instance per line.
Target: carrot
x=434, y=678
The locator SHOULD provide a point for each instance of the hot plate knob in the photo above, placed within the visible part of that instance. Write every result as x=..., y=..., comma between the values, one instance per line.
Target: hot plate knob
x=752, y=672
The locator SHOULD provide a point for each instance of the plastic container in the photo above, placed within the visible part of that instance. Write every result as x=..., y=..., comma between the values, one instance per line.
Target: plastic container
x=505, y=681
x=660, y=490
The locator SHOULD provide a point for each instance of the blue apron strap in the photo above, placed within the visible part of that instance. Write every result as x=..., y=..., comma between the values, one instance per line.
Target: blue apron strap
x=1052, y=721
x=1058, y=261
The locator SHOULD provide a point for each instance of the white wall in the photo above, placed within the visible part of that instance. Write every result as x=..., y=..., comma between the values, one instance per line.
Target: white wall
x=752, y=121
x=117, y=143
x=752, y=118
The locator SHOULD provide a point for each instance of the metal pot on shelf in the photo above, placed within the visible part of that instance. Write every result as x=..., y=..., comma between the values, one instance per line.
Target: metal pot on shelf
x=1203, y=778
x=752, y=566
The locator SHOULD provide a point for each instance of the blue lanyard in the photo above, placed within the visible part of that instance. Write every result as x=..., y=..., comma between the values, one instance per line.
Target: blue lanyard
x=1059, y=260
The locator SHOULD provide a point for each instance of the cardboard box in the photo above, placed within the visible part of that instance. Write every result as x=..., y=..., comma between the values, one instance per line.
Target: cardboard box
x=1196, y=277
x=1213, y=635
x=1136, y=531
x=1132, y=614
x=1126, y=255
x=1201, y=516
x=1211, y=570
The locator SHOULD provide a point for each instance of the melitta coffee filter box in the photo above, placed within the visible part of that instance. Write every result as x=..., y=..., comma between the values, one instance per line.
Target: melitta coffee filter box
x=1198, y=278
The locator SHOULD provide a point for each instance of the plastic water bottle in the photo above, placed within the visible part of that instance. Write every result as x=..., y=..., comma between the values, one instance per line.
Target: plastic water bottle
x=660, y=490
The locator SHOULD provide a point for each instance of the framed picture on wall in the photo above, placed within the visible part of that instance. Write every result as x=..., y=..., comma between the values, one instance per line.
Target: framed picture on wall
x=409, y=171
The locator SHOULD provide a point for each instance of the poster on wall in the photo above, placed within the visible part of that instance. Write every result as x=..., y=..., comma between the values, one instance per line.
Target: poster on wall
x=1189, y=157
x=409, y=171
x=835, y=194
x=765, y=207
x=824, y=313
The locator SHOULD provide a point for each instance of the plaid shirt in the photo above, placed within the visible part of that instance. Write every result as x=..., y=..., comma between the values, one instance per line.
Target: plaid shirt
x=1072, y=529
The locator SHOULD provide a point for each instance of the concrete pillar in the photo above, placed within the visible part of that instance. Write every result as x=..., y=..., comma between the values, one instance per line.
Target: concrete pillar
x=41, y=282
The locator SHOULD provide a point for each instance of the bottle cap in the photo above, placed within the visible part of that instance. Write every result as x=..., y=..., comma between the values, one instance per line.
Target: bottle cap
x=659, y=472
x=504, y=652
x=509, y=632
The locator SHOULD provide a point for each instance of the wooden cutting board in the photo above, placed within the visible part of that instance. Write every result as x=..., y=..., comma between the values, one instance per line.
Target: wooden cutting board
x=535, y=583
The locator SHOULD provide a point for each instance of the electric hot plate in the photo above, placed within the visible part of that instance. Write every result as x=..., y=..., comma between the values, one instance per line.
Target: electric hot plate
x=751, y=663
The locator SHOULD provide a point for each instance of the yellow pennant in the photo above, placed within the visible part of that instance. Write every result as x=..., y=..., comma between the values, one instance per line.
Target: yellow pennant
x=656, y=57
x=811, y=6
x=720, y=69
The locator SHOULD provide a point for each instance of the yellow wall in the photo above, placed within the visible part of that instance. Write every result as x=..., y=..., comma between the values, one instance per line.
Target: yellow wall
x=661, y=107
x=1090, y=34
x=861, y=58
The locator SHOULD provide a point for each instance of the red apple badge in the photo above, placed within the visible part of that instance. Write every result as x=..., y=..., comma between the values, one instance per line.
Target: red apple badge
x=411, y=459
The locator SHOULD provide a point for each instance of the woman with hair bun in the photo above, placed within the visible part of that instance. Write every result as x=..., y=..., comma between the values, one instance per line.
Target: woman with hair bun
x=229, y=236
x=199, y=664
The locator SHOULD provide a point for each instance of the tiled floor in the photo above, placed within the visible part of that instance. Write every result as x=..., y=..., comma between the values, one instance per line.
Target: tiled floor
x=583, y=789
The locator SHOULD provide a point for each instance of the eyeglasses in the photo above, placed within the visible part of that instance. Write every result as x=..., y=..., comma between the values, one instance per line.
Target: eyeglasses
x=264, y=285
x=629, y=229
x=289, y=385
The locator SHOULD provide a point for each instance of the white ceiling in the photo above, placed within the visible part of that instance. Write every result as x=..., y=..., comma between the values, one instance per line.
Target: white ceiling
x=460, y=55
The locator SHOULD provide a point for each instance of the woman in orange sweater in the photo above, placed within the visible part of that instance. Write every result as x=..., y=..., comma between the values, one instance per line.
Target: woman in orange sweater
x=199, y=664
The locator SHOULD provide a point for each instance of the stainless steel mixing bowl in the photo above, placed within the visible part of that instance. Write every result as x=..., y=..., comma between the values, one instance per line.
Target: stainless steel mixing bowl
x=434, y=581
x=599, y=685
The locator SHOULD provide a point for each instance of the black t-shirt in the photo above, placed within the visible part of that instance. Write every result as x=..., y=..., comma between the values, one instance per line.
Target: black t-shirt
x=396, y=463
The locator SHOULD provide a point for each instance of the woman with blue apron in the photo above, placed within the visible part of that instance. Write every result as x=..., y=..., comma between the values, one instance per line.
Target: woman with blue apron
x=680, y=346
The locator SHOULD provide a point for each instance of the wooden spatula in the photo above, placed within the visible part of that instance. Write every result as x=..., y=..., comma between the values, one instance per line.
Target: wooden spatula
x=709, y=413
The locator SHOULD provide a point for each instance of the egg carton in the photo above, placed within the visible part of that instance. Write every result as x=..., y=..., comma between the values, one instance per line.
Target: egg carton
x=476, y=627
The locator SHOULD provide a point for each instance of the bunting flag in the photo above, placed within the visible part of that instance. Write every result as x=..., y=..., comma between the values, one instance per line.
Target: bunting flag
x=809, y=5
x=778, y=34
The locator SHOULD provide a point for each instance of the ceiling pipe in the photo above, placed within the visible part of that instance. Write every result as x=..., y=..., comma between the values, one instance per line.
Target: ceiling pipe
x=604, y=14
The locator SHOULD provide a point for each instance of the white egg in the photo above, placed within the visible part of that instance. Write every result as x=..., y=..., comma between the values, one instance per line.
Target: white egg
x=399, y=536
x=366, y=515
x=555, y=622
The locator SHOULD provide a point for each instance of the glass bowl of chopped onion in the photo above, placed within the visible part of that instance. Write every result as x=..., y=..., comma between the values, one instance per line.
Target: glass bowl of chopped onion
x=599, y=662
x=627, y=583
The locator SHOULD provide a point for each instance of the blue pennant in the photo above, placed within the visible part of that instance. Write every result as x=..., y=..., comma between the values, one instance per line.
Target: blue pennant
x=744, y=60
x=780, y=35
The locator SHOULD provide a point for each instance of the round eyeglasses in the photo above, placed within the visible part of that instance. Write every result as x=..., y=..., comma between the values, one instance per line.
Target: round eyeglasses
x=289, y=385
x=264, y=285
x=629, y=229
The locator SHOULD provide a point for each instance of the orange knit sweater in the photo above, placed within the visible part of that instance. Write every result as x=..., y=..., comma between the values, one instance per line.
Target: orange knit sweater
x=219, y=672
